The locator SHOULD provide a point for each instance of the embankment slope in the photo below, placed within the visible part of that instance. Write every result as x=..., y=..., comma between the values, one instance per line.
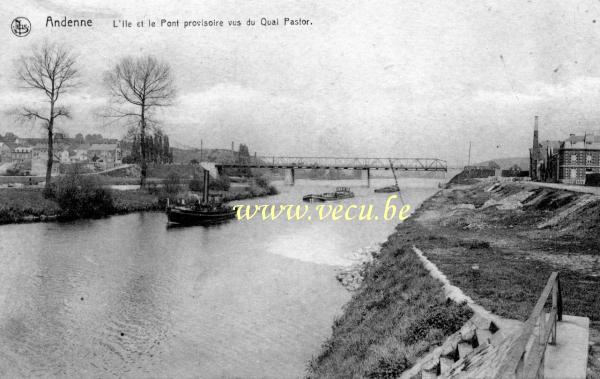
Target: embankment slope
x=514, y=233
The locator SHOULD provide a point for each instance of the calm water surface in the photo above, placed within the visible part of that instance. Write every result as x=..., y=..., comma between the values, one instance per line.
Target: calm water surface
x=128, y=297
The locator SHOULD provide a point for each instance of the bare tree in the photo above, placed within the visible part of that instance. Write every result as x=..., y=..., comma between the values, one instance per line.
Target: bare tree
x=138, y=86
x=51, y=70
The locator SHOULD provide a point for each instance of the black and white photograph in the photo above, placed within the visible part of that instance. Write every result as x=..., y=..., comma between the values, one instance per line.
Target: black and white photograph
x=300, y=189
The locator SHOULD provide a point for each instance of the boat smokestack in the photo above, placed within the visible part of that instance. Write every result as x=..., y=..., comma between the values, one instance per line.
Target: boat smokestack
x=205, y=192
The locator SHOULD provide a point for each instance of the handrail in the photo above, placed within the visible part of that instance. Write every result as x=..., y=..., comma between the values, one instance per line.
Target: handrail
x=521, y=363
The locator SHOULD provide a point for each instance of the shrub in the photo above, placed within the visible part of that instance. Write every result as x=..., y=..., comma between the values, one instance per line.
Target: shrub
x=49, y=192
x=448, y=319
x=264, y=183
x=162, y=195
x=152, y=188
x=222, y=183
x=129, y=159
x=255, y=190
x=196, y=184
x=172, y=184
x=82, y=196
x=13, y=171
x=388, y=367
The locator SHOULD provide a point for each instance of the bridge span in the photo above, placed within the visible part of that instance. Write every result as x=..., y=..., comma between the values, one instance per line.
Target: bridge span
x=366, y=164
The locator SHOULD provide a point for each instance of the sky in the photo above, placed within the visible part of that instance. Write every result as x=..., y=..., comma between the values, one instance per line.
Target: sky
x=378, y=79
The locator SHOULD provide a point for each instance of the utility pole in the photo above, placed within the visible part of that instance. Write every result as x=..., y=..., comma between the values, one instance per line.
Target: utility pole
x=201, y=147
x=469, y=164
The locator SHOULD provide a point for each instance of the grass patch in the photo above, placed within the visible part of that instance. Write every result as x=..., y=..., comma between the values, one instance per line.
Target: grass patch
x=29, y=204
x=18, y=203
x=135, y=201
x=398, y=315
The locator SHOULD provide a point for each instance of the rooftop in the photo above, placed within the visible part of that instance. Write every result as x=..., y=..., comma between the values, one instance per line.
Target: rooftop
x=104, y=147
x=588, y=141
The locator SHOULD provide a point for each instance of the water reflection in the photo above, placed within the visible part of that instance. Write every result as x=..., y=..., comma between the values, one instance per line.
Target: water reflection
x=128, y=297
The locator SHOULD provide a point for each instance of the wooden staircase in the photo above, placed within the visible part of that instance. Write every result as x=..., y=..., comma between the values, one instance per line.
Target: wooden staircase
x=478, y=331
x=547, y=345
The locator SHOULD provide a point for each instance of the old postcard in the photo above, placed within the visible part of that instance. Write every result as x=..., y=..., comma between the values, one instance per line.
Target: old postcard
x=285, y=189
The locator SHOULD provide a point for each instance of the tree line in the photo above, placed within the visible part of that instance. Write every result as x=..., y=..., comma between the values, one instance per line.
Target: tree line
x=156, y=147
x=136, y=87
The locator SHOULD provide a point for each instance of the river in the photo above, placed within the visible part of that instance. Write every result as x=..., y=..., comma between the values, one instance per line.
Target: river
x=126, y=296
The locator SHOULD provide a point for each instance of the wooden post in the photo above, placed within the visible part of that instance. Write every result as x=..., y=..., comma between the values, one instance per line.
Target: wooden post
x=554, y=307
x=559, y=307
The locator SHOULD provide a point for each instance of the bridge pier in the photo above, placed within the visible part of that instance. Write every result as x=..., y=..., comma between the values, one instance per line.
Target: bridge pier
x=290, y=176
x=366, y=174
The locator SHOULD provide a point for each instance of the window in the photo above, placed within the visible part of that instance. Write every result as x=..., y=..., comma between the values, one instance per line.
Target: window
x=573, y=158
x=573, y=173
x=588, y=159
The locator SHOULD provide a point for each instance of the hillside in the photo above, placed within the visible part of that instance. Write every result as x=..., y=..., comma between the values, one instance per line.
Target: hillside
x=186, y=155
x=506, y=163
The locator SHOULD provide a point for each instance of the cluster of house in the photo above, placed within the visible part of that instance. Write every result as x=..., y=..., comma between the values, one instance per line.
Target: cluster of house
x=30, y=155
x=575, y=160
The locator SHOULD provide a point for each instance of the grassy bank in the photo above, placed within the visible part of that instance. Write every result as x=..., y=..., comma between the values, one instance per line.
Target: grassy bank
x=29, y=204
x=22, y=204
x=515, y=247
x=397, y=316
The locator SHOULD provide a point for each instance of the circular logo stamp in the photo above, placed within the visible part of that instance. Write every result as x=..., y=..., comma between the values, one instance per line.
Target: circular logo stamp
x=20, y=26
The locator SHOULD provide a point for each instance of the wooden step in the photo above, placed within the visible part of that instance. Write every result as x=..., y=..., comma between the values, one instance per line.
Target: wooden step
x=445, y=364
x=467, y=332
x=498, y=337
x=464, y=348
x=449, y=349
x=484, y=336
x=430, y=370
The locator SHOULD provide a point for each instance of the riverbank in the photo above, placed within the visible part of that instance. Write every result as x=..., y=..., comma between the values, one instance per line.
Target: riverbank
x=28, y=204
x=397, y=315
x=498, y=243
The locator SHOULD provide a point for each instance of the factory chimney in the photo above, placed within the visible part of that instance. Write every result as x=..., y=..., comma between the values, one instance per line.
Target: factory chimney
x=535, y=152
x=535, y=134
